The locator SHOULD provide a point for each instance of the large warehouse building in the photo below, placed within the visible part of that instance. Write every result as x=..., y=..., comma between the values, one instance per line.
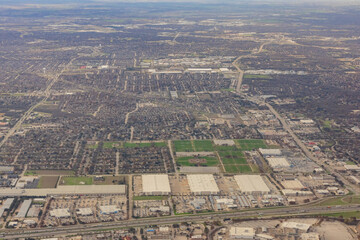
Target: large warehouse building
x=252, y=184
x=201, y=184
x=157, y=184
x=277, y=163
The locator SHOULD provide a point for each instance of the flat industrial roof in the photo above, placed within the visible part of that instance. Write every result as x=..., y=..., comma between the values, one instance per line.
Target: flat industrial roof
x=251, y=183
x=274, y=152
x=202, y=183
x=278, y=162
x=73, y=189
x=156, y=183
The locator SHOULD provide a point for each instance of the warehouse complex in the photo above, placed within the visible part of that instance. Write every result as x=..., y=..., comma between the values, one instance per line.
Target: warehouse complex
x=277, y=162
x=202, y=184
x=156, y=184
x=252, y=184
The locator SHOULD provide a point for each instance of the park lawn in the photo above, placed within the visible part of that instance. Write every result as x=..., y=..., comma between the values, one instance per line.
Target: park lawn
x=203, y=146
x=76, y=181
x=160, y=144
x=183, y=146
x=92, y=146
x=240, y=160
x=244, y=168
x=141, y=198
x=210, y=161
x=228, y=161
x=252, y=76
x=109, y=144
x=144, y=144
x=231, y=168
x=225, y=148
x=250, y=144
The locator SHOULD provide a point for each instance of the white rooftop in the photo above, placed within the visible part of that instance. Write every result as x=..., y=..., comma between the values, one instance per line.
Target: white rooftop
x=272, y=152
x=276, y=162
x=60, y=212
x=242, y=232
x=157, y=183
x=251, y=183
x=202, y=183
x=296, y=225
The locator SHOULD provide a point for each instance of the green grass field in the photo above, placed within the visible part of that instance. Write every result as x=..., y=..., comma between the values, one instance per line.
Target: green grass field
x=343, y=214
x=253, y=76
x=210, y=161
x=183, y=146
x=250, y=144
x=144, y=145
x=203, y=146
x=76, y=181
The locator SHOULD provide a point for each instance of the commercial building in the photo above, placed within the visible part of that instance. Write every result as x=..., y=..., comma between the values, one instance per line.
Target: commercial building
x=292, y=192
x=84, y=211
x=270, y=152
x=292, y=184
x=6, y=205
x=202, y=184
x=109, y=209
x=295, y=225
x=24, y=208
x=242, y=233
x=70, y=190
x=277, y=162
x=60, y=213
x=156, y=184
x=252, y=184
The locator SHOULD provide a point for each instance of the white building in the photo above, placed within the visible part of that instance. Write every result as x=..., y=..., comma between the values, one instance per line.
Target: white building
x=202, y=184
x=277, y=162
x=109, y=209
x=295, y=225
x=252, y=184
x=242, y=233
x=270, y=152
x=157, y=184
x=60, y=213
x=84, y=211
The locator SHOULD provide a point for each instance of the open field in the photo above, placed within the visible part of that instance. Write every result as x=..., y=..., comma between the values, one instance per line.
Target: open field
x=47, y=182
x=203, y=146
x=49, y=172
x=183, y=146
x=250, y=144
x=76, y=181
x=145, y=144
x=203, y=161
x=111, y=180
x=253, y=76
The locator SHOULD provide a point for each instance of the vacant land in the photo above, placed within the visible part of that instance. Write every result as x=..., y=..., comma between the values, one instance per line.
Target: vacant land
x=48, y=182
x=76, y=181
x=111, y=180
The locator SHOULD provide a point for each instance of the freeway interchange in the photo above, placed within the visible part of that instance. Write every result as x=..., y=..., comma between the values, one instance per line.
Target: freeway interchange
x=254, y=213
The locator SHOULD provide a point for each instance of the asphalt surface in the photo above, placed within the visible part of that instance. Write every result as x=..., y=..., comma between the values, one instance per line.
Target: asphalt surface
x=261, y=213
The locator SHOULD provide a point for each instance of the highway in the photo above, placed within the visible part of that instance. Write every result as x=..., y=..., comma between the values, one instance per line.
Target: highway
x=306, y=151
x=260, y=213
x=241, y=72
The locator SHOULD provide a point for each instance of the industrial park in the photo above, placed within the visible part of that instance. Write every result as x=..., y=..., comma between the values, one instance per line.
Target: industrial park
x=185, y=120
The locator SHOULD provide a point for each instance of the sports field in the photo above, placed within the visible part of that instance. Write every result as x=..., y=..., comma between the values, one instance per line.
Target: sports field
x=76, y=181
x=197, y=161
